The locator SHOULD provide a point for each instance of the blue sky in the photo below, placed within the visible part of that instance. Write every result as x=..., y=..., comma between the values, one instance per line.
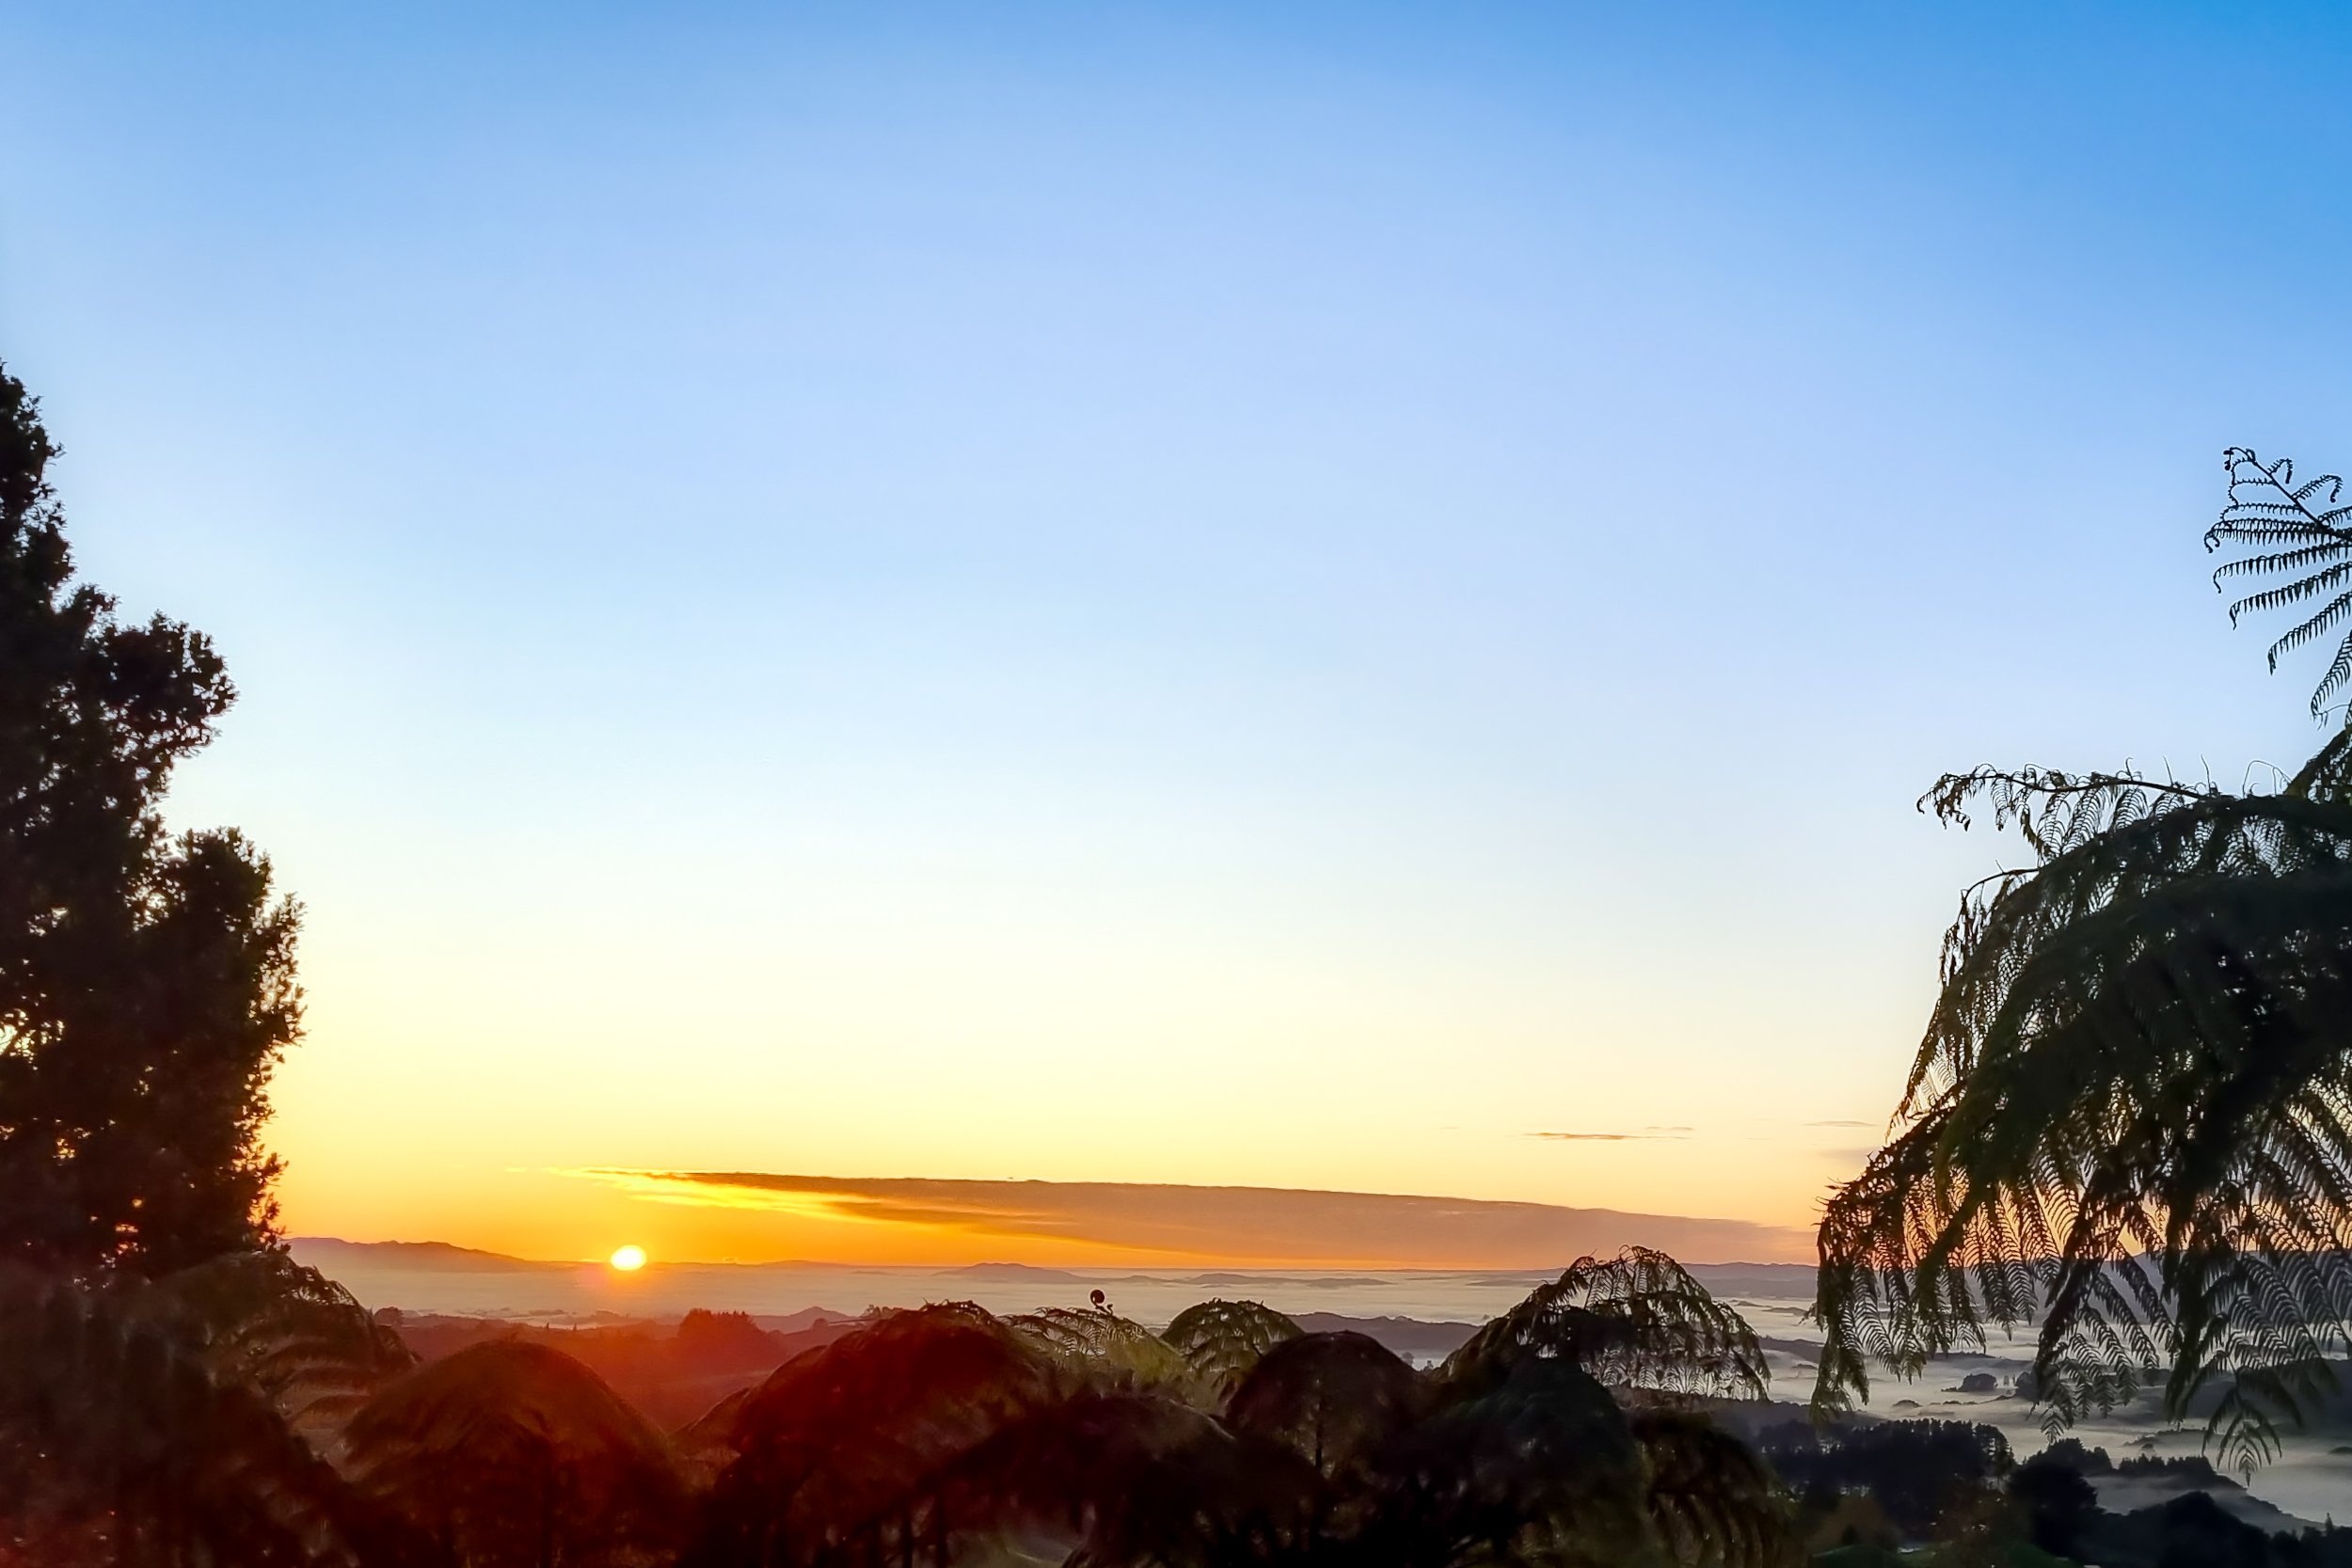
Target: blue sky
x=1279, y=595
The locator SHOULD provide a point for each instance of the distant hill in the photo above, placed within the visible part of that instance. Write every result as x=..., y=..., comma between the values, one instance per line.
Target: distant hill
x=1010, y=1273
x=1269, y=1281
x=328, y=1253
x=1410, y=1338
x=1782, y=1280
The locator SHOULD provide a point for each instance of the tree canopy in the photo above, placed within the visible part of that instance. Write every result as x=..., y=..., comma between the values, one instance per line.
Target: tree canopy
x=1574, y=1433
x=146, y=983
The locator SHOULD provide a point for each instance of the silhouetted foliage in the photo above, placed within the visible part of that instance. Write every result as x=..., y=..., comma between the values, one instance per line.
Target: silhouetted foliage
x=1711, y=1498
x=723, y=1337
x=1539, y=1468
x=2132, y=1111
x=514, y=1455
x=2189, y=1531
x=1100, y=1342
x=2058, y=1504
x=1636, y=1321
x=1916, y=1470
x=922, y=1435
x=1338, y=1401
x=1122, y=1476
x=146, y=982
x=1221, y=1340
x=841, y=1453
x=128, y=1436
x=158, y=1374
x=295, y=1337
x=2301, y=534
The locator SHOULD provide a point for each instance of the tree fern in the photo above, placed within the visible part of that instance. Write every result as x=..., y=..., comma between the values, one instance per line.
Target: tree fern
x=1714, y=1503
x=1643, y=1328
x=2130, y=1117
x=1637, y=1322
x=119, y=1421
x=513, y=1453
x=1221, y=1340
x=1099, y=1344
x=299, y=1337
x=935, y=1436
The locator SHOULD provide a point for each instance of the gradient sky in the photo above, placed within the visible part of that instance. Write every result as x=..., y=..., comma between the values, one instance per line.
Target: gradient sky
x=1288, y=596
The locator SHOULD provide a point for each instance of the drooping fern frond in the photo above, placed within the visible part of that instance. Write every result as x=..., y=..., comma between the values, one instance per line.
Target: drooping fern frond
x=2131, y=1115
x=1715, y=1503
x=2301, y=534
x=1636, y=1322
x=112, y=1416
x=299, y=1337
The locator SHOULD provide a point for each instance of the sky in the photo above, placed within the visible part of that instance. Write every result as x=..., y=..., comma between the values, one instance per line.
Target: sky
x=1333, y=597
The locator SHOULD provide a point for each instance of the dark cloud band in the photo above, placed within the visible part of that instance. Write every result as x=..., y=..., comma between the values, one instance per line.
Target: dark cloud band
x=1241, y=1224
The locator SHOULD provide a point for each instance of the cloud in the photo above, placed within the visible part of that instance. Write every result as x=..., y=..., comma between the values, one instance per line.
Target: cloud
x=1841, y=1124
x=1645, y=1134
x=1260, y=1226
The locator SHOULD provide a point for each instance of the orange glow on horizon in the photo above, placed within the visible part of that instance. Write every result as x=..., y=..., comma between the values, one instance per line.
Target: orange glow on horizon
x=560, y=1213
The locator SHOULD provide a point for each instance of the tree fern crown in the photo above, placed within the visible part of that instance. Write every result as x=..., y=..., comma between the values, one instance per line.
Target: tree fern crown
x=2301, y=539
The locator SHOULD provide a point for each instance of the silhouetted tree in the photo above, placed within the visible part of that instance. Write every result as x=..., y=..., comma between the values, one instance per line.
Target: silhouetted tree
x=169, y=1383
x=2058, y=1503
x=2131, y=1112
x=1917, y=1471
x=146, y=981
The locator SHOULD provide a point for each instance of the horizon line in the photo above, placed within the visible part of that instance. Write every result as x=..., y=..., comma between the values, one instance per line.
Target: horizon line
x=1079, y=1271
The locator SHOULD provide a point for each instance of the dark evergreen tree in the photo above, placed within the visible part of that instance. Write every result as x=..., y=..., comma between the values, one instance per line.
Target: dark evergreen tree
x=146, y=981
x=2059, y=1504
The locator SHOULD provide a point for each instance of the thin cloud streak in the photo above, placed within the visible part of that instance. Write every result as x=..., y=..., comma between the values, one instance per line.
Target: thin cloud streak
x=1644, y=1135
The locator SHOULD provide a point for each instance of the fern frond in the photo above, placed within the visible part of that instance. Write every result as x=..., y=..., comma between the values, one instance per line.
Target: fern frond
x=1101, y=1345
x=2266, y=507
x=1714, y=1503
x=2328, y=548
x=2130, y=1117
x=1636, y=1322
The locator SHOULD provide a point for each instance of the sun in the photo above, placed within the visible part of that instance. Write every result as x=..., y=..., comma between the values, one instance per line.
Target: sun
x=629, y=1259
